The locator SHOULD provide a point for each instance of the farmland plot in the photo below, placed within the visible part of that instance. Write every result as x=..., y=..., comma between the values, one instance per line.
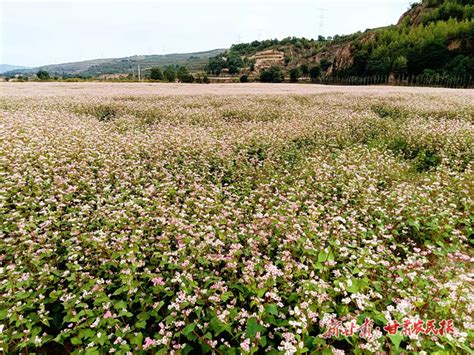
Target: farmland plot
x=235, y=219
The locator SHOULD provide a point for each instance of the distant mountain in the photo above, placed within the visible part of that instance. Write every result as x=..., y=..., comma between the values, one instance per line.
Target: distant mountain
x=8, y=67
x=96, y=67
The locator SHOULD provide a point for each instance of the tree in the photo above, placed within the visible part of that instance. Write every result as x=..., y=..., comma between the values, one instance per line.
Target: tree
x=460, y=66
x=244, y=78
x=294, y=75
x=170, y=74
x=234, y=63
x=400, y=65
x=156, y=74
x=271, y=75
x=188, y=78
x=184, y=75
x=359, y=61
x=304, y=69
x=314, y=73
x=325, y=64
x=215, y=65
x=42, y=75
x=379, y=62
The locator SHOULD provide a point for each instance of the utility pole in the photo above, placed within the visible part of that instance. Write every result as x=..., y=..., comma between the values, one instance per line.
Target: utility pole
x=139, y=73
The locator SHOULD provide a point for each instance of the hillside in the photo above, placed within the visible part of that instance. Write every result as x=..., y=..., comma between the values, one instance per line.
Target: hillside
x=126, y=65
x=8, y=67
x=433, y=38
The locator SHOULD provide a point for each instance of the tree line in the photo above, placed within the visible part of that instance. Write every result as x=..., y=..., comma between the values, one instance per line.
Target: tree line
x=439, y=43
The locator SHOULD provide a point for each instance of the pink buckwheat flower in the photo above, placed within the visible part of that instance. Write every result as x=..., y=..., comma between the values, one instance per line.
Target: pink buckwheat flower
x=148, y=342
x=158, y=281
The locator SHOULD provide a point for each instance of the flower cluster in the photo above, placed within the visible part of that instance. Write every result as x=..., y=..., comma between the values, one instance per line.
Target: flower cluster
x=136, y=222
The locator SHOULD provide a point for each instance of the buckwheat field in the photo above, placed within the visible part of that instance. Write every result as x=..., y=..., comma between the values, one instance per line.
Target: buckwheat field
x=235, y=219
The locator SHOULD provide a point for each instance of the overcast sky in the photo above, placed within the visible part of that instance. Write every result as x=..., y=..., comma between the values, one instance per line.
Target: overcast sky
x=36, y=33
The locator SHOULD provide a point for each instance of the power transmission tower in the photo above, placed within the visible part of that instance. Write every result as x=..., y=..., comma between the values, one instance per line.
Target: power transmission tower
x=322, y=17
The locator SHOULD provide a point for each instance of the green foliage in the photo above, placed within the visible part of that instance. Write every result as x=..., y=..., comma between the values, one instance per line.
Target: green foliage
x=304, y=69
x=229, y=60
x=271, y=75
x=256, y=46
x=215, y=65
x=460, y=65
x=400, y=65
x=450, y=9
x=42, y=75
x=234, y=63
x=181, y=72
x=156, y=74
x=244, y=78
x=314, y=73
x=442, y=42
x=325, y=64
x=184, y=75
x=169, y=74
x=102, y=111
x=294, y=75
x=413, y=49
x=201, y=79
x=233, y=224
x=387, y=111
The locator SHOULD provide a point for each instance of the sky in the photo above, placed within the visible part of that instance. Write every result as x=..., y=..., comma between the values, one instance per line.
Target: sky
x=34, y=33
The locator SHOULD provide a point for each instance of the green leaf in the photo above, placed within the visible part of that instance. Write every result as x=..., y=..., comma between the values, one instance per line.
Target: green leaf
x=319, y=341
x=120, y=305
x=226, y=296
x=396, y=340
x=143, y=316
x=271, y=309
x=135, y=339
x=217, y=325
x=76, y=341
x=354, y=288
x=322, y=257
x=253, y=327
x=86, y=333
x=161, y=304
x=188, y=329
x=92, y=351
x=141, y=324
